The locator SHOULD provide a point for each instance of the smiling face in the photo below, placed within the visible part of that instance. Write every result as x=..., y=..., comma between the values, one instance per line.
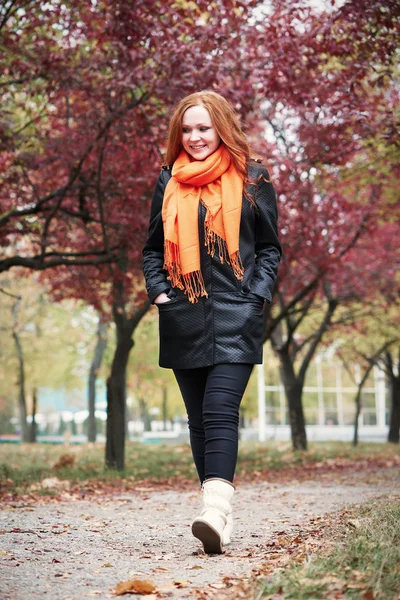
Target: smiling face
x=199, y=136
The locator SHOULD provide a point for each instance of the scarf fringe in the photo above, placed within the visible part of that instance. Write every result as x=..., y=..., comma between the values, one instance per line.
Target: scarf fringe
x=194, y=286
x=213, y=241
x=191, y=283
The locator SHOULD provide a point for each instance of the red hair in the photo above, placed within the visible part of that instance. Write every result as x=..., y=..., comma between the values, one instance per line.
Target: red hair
x=225, y=121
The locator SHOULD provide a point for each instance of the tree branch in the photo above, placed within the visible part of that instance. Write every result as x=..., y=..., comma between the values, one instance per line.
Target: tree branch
x=3, y=291
x=74, y=172
x=332, y=305
x=296, y=298
x=9, y=12
x=99, y=194
x=41, y=262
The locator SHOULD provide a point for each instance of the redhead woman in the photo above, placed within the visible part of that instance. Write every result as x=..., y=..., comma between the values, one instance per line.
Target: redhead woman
x=210, y=262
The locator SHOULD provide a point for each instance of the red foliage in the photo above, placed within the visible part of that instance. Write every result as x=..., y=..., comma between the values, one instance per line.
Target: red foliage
x=97, y=84
x=328, y=108
x=88, y=89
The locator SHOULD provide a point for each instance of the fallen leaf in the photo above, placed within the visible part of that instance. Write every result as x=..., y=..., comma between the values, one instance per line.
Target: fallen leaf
x=283, y=540
x=65, y=460
x=354, y=523
x=181, y=584
x=135, y=586
x=55, y=483
x=357, y=575
x=297, y=540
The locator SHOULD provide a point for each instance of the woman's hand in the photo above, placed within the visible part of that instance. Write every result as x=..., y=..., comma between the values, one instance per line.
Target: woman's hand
x=162, y=298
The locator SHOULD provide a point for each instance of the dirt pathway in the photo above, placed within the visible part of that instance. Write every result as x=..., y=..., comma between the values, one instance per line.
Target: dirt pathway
x=81, y=549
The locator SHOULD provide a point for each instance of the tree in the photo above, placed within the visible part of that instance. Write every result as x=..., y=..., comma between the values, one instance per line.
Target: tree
x=101, y=344
x=110, y=78
x=23, y=423
x=54, y=344
x=392, y=367
x=43, y=205
x=152, y=386
x=327, y=104
x=368, y=335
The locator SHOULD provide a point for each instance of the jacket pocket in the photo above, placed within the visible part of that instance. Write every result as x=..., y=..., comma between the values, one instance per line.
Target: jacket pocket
x=163, y=304
x=238, y=323
x=246, y=293
x=181, y=330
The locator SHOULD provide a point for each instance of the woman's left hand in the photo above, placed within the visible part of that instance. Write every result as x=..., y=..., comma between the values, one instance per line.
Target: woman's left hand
x=162, y=298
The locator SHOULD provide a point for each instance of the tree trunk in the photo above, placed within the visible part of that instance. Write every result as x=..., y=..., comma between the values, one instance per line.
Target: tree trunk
x=357, y=416
x=32, y=430
x=287, y=350
x=358, y=400
x=101, y=345
x=116, y=383
x=21, y=394
x=116, y=401
x=165, y=407
x=394, y=418
x=144, y=414
x=293, y=390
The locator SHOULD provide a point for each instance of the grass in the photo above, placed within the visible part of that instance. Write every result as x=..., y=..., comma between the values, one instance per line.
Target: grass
x=25, y=464
x=363, y=562
x=255, y=457
x=22, y=465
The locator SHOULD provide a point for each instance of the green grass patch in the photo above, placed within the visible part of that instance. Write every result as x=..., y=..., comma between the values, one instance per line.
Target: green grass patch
x=22, y=465
x=26, y=464
x=275, y=456
x=363, y=563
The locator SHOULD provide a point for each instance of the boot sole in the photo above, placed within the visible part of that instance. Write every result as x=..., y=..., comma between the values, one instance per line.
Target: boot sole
x=209, y=537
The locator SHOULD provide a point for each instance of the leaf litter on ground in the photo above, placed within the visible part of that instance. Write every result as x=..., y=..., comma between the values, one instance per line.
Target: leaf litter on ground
x=26, y=472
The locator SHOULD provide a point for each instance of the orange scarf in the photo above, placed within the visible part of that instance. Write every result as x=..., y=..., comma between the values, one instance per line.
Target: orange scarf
x=216, y=183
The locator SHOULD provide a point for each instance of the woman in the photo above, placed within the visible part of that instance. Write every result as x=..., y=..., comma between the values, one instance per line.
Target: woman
x=210, y=262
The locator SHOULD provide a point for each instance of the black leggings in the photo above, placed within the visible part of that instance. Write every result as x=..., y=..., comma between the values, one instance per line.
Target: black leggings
x=212, y=397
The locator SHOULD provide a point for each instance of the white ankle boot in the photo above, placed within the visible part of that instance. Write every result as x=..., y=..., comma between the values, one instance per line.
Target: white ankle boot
x=228, y=529
x=212, y=527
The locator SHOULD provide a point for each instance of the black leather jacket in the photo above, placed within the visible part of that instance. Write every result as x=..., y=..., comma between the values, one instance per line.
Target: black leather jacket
x=226, y=327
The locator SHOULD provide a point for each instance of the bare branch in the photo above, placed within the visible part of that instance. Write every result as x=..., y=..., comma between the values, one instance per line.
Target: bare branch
x=75, y=171
x=332, y=305
x=3, y=291
x=38, y=117
x=296, y=298
x=9, y=12
x=99, y=193
x=304, y=312
x=41, y=262
x=14, y=81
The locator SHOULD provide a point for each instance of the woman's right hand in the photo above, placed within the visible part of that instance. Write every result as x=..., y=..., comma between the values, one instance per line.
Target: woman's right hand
x=162, y=298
